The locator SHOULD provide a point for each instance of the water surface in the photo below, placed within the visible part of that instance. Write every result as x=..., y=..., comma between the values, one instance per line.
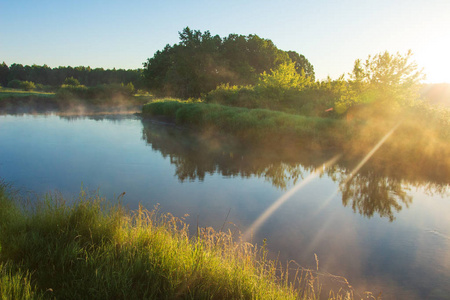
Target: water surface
x=386, y=230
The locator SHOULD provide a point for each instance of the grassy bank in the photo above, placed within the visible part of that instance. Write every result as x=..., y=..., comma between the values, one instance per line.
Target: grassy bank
x=7, y=93
x=252, y=124
x=92, y=250
x=417, y=134
x=70, y=99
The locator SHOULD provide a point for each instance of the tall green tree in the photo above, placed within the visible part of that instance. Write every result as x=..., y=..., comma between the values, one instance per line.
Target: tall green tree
x=4, y=70
x=302, y=64
x=385, y=80
x=17, y=71
x=202, y=61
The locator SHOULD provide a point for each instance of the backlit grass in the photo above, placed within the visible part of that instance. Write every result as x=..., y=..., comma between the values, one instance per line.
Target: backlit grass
x=6, y=93
x=93, y=250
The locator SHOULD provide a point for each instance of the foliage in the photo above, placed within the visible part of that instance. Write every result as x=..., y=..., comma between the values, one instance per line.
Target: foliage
x=71, y=81
x=14, y=84
x=386, y=81
x=200, y=62
x=283, y=91
x=24, y=85
x=27, y=85
x=302, y=65
x=4, y=70
x=56, y=76
x=285, y=76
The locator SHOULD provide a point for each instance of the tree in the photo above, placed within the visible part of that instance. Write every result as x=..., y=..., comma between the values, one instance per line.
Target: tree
x=4, y=70
x=71, y=81
x=285, y=76
x=202, y=61
x=17, y=71
x=302, y=64
x=14, y=84
x=385, y=80
x=27, y=85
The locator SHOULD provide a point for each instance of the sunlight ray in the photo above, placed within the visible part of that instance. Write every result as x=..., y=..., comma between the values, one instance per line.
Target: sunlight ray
x=281, y=200
x=356, y=169
x=371, y=152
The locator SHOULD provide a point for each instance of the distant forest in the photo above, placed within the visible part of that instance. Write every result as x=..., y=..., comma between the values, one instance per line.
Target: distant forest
x=52, y=77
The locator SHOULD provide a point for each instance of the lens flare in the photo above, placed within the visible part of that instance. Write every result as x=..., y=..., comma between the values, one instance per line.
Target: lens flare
x=286, y=196
x=371, y=152
x=280, y=201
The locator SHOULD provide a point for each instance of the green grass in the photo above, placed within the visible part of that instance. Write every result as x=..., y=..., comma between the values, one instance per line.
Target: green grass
x=16, y=93
x=93, y=250
x=257, y=124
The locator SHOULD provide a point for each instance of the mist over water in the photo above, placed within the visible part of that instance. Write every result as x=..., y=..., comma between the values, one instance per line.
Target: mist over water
x=385, y=230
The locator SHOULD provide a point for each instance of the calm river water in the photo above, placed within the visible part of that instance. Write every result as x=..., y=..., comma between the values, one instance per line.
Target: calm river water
x=387, y=232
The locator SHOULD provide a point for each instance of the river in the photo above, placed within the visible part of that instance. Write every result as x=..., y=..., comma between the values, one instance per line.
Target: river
x=385, y=230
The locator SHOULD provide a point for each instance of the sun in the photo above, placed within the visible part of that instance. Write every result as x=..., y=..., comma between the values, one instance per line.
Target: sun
x=435, y=60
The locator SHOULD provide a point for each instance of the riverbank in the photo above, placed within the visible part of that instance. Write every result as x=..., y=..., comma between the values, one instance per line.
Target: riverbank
x=14, y=101
x=92, y=249
x=251, y=124
x=415, y=136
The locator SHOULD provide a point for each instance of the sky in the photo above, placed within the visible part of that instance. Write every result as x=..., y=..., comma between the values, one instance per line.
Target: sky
x=123, y=34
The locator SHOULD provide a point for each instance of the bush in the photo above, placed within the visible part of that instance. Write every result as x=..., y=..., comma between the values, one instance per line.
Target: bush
x=313, y=100
x=44, y=88
x=24, y=85
x=71, y=81
x=14, y=84
x=27, y=85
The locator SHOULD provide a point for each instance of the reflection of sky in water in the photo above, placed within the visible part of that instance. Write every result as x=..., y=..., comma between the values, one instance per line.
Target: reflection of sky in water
x=411, y=253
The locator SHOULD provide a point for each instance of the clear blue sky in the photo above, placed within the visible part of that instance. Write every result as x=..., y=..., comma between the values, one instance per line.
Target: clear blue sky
x=123, y=34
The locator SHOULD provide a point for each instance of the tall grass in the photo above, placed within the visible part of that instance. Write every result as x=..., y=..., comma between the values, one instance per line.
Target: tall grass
x=93, y=250
x=257, y=124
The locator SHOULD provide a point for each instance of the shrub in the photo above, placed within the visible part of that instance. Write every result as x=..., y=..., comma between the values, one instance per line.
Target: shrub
x=14, y=84
x=27, y=85
x=71, y=81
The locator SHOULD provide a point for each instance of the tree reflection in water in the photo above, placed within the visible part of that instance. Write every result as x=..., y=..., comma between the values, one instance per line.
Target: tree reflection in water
x=377, y=188
x=372, y=193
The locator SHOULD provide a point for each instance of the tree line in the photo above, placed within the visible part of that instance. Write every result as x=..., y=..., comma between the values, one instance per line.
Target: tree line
x=242, y=70
x=52, y=77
